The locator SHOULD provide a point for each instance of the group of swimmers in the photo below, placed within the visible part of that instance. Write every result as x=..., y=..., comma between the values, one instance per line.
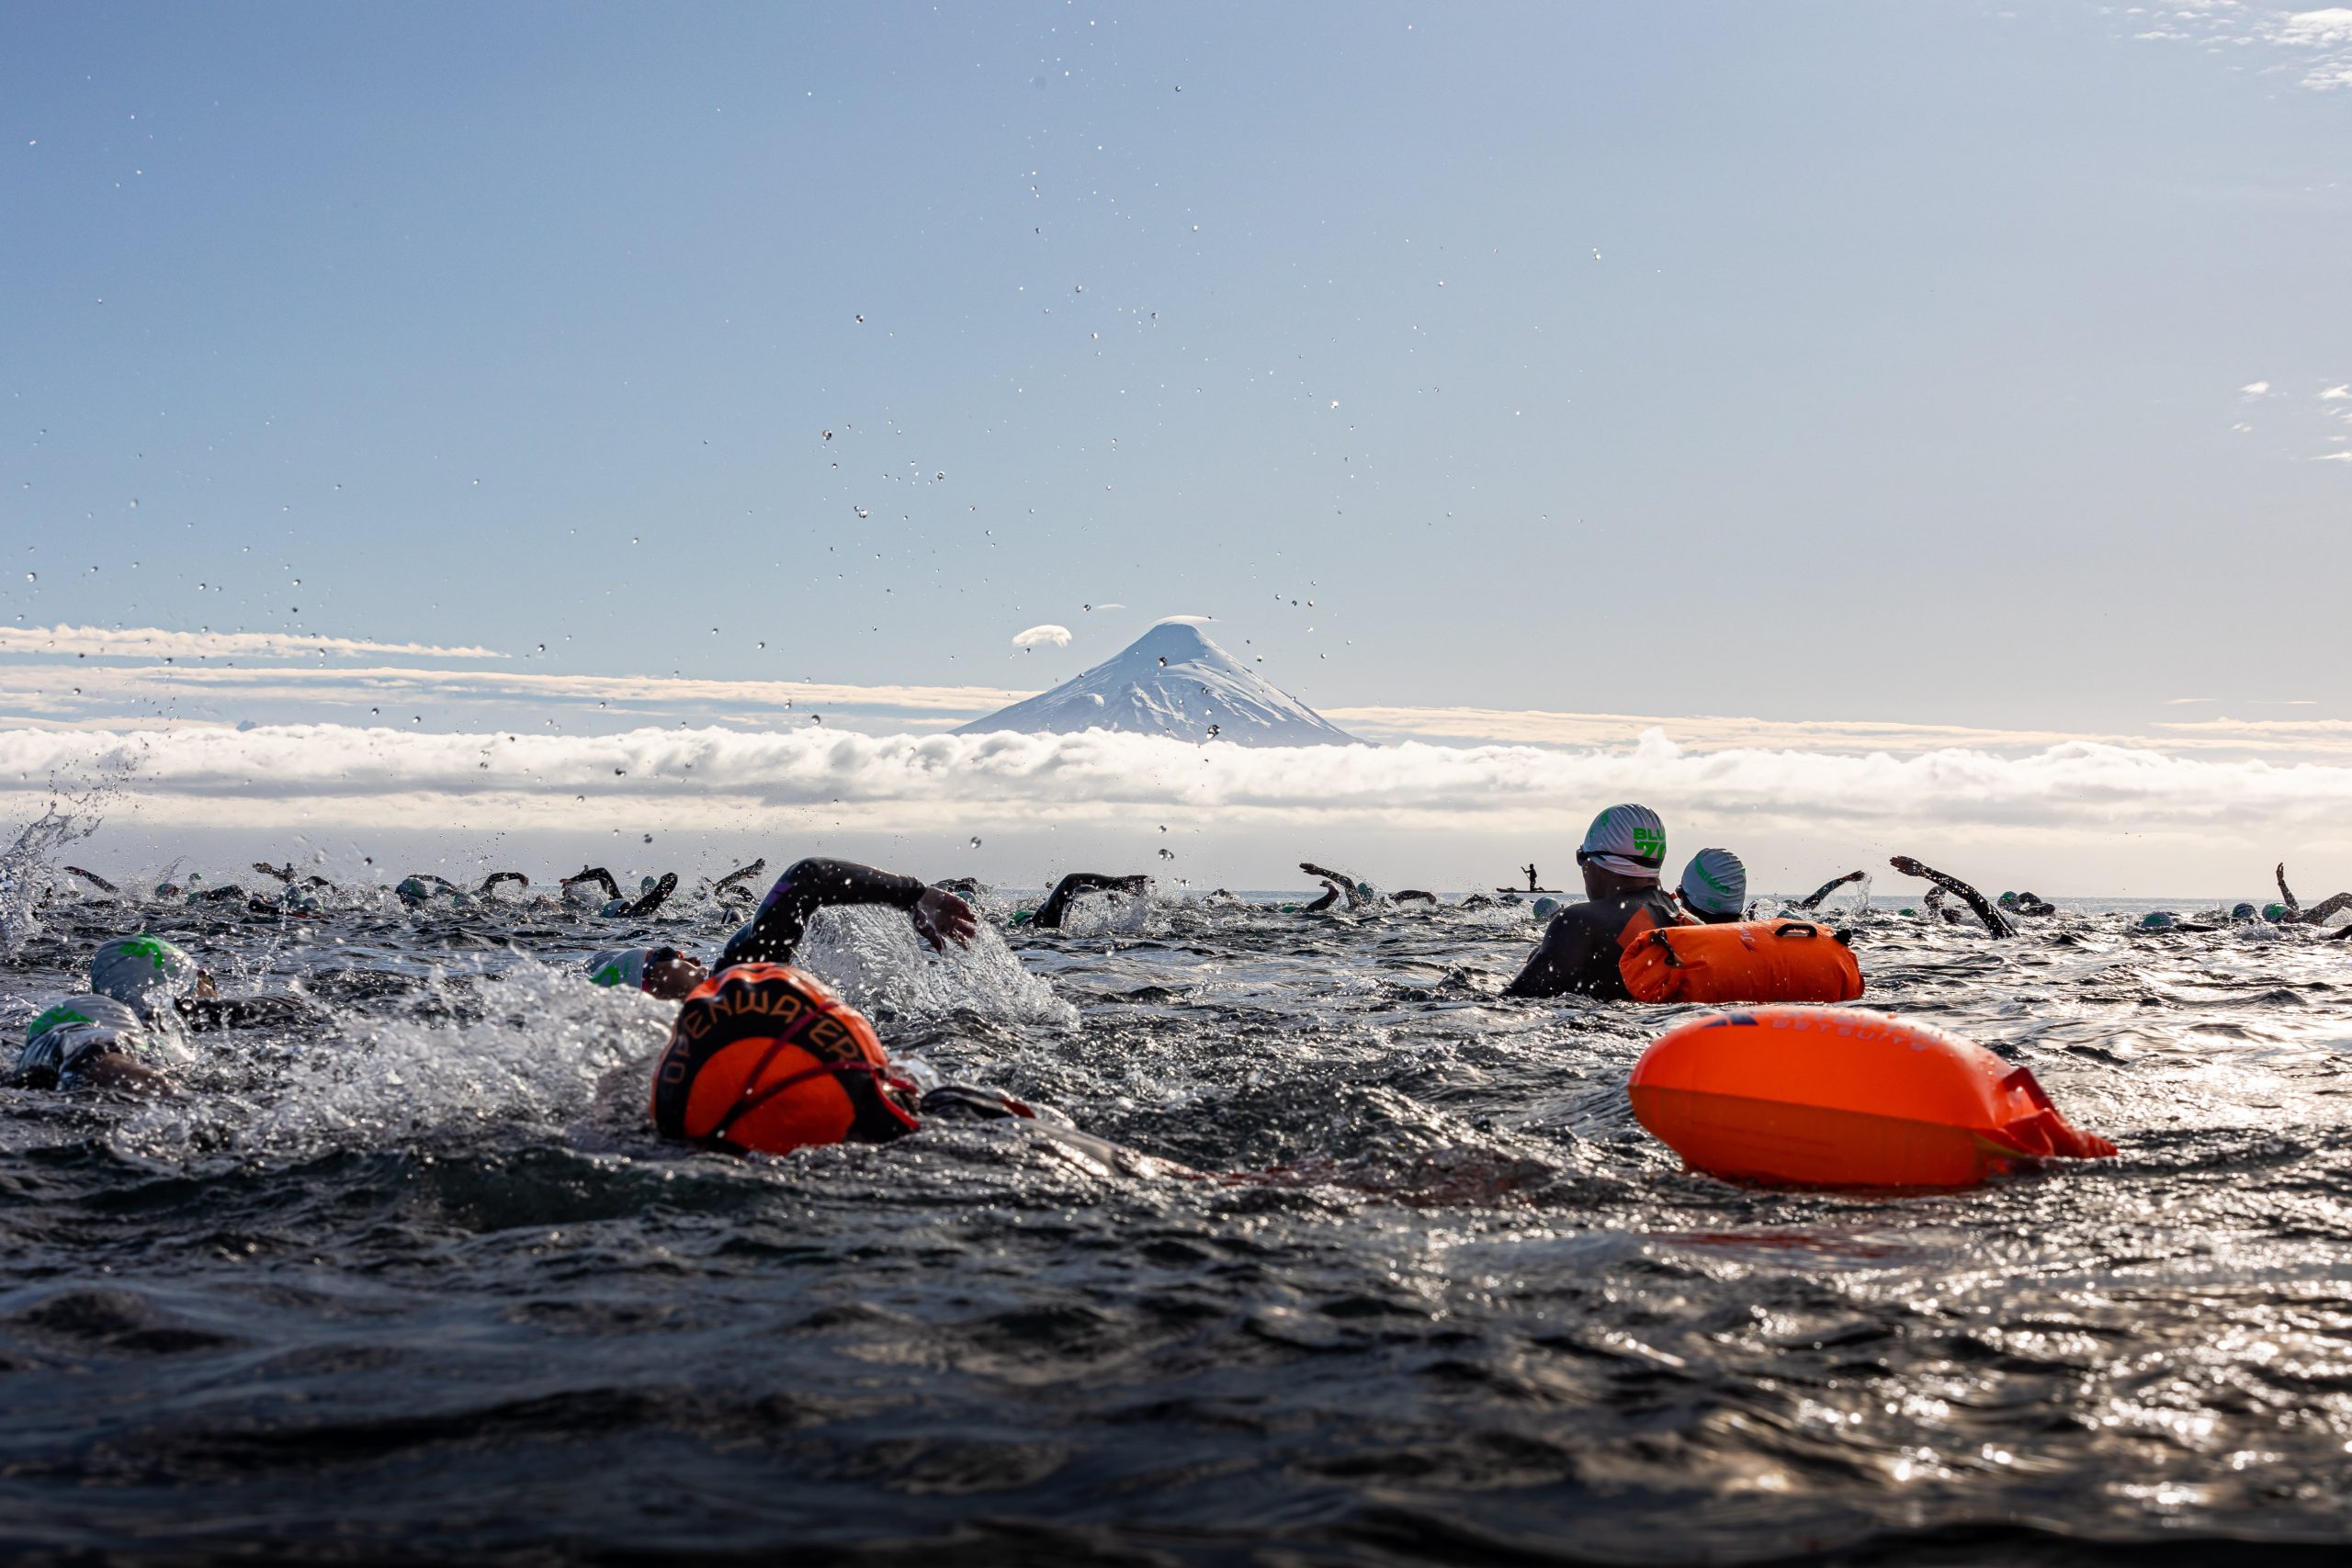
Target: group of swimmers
x=762, y=1057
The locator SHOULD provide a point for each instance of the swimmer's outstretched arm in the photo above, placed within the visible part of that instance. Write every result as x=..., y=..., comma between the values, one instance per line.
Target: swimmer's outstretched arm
x=1994, y=921
x=656, y=898
x=2320, y=911
x=1566, y=948
x=441, y=882
x=94, y=879
x=1049, y=914
x=774, y=934
x=1330, y=896
x=1813, y=900
x=739, y=873
x=282, y=873
x=597, y=873
x=2287, y=894
x=495, y=877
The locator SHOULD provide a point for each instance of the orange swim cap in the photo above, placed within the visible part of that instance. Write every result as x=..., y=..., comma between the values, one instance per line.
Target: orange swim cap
x=764, y=1058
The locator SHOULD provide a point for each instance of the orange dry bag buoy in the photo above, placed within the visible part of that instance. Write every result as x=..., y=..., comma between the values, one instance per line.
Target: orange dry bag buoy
x=763, y=1057
x=1745, y=961
x=1838, y=1096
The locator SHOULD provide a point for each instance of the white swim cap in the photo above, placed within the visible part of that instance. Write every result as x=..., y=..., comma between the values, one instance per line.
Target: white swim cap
x=623, y=966
x=1715, y=883
x=143, y=973
x=1627, y=840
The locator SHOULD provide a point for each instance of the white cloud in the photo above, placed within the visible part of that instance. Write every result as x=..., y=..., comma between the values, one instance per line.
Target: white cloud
x=1113, y=604
x=2317, y=29
x=155, y=642
x=2334, y=457
x=327, y=775
x=1058, y=636
x=2318, y=42
x=2336, y=394
x=2255, y=388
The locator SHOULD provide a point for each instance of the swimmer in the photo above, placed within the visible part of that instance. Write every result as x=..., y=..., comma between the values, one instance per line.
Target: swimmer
x=89, y=1041
x=1622, y=852
x=2029, y=904
x=1813, y=900
x=651, y=895
x=662, y=973
x=1055, y=909
x=94, y=880
x=753, y=1006
x=167, y=988
x=1360, y=894
x=2294, y=914
x=1713, y=887
x=730, y=889
x=1412, y=896
x=962, y=887
x=1994, y=921
x=421, y=888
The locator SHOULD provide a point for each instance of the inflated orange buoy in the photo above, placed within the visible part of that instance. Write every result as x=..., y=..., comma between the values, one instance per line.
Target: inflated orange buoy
x=1838, y=1096
x=1745, y=961
x=763, y=1057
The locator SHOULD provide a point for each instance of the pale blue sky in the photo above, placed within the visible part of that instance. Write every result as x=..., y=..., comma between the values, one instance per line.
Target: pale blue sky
x=1829, y=360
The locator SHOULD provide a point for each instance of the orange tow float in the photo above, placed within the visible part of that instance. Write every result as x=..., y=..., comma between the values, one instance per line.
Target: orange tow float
x=1838, y=1096
x=1745, y=961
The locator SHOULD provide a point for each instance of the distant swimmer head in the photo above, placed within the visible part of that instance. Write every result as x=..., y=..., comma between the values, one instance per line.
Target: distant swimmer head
x=2274, y=913
x=660, y=972
x=2007, y=900
x=413, y=891
x=146, y=973
x=2241, y=912
x=1624, y=840
x=1546, y=907
x=1715, y=886
x=2158, y=920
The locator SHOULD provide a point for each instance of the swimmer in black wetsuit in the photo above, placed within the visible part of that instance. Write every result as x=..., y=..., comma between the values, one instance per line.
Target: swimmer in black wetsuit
x=2295, y=915
x=885, y=1105
x=1995, y=920
x=1624, y=851
x=1051, y=913
x=1358, y=894
x=651, y=895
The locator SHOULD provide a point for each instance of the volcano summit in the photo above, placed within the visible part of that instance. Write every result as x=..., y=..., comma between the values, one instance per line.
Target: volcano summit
x=1171, y=681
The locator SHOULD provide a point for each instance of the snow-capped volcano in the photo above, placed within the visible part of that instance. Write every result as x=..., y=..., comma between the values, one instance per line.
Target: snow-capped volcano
x=1171, y=681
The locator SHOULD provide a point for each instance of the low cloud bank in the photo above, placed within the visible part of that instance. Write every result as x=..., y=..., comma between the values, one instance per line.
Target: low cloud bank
x=649, y=777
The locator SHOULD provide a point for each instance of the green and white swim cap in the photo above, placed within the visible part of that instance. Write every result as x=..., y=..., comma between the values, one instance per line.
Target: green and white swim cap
x=622, y=967
x=1715, y=883
x=1627, y=840
x=143, y=973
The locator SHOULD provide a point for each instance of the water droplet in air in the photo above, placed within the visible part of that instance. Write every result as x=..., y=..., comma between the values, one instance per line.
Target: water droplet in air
x=975, y=843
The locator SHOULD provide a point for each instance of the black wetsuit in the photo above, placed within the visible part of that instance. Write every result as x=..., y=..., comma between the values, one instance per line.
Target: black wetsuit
x=1056, y=905
x=1585, y=942
x=774, y=934
x=1994, y=921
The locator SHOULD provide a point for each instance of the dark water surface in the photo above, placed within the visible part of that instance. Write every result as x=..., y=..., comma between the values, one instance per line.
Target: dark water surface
x=418, y=1284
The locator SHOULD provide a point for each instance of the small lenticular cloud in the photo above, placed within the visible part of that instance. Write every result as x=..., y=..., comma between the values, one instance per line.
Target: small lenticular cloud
x=2336, y=394
x=2255, y=388
x=1058, y=636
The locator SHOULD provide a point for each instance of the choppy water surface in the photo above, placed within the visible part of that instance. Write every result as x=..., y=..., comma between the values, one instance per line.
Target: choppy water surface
x=417, y=1280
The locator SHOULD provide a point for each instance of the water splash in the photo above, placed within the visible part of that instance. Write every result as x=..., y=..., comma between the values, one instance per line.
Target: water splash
x=27, y=878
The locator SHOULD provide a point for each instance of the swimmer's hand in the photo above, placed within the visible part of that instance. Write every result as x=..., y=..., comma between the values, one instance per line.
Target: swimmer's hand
x=1908, y=866
x=943, y=918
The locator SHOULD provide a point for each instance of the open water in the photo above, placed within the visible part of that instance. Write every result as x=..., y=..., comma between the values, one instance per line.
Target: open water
x=415, y=1282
